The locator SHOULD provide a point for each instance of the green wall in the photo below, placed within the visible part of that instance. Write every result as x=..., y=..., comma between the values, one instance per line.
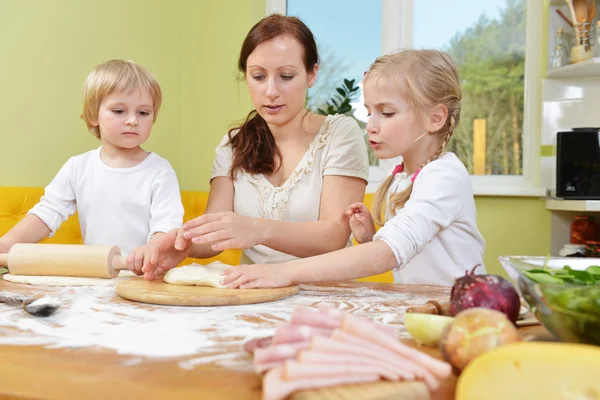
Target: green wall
x=213, y=96
x=49, y=47
x=512, y=226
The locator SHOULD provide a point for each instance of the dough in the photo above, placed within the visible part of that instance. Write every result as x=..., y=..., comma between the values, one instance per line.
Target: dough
x=198, y=275
x=37, y=280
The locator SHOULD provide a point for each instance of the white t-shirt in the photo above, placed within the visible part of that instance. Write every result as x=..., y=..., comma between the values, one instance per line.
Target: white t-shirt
x=117, y=206
x=337, y=149
x=434, y=236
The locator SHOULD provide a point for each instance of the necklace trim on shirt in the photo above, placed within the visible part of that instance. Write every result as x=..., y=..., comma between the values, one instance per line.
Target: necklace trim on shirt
x=264, y=187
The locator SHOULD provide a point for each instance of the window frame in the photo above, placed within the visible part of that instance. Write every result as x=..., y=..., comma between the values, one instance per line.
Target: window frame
x=400, y=35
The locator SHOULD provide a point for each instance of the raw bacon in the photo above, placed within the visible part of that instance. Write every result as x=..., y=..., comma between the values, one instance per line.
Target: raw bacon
x=277, y=354
x=355, y=325
x=258, y=343
x=323, y=347
x=293, y=370
x=277, y=388
x=290, y=333
x=317, y=357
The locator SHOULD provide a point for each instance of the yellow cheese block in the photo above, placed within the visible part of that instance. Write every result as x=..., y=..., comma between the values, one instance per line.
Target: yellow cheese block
x=533, y=370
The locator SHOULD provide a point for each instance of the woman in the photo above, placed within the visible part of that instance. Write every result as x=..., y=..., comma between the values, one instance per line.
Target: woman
x=282, y=180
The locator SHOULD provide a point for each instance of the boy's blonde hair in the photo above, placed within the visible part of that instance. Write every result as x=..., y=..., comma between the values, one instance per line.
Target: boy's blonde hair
x=425, y=79
x=116, y=76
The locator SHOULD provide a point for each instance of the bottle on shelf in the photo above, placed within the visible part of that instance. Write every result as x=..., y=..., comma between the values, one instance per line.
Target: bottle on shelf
x=560, y=55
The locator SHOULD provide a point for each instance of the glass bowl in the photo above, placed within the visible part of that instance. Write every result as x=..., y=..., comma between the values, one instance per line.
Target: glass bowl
x=569, y=311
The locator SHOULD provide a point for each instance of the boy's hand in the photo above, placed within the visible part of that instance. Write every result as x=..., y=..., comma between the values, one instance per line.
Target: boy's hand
x=361, y=222
x=257, y=276
x=165, y=253
x=135, y=259
x=142, y=255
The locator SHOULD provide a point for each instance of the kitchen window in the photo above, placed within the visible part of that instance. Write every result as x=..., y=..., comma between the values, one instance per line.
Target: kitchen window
x=497, y=45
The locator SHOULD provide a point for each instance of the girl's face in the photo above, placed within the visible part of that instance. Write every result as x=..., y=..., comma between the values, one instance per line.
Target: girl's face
x=277, y=79
x=125, y=120
x=393, y=127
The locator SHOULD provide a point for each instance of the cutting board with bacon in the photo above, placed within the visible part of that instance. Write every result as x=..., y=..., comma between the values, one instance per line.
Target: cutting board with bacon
x=325, y=353
x=368, y=391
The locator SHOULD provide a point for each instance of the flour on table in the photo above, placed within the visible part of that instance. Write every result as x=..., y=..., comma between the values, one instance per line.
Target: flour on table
x=95, y=316
x=38, y=280
x=198, y=275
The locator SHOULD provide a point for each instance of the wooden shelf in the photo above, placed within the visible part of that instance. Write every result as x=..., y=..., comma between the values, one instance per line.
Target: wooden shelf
x=582, y=69
x=573, y=205
x=558, y=3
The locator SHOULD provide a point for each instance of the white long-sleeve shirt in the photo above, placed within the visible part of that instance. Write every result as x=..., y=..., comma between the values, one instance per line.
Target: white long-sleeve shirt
x=117, y=206
x=434, y=237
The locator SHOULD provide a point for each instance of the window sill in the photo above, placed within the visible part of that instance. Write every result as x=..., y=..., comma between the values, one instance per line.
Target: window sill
x=500, y=186
x=509, y=192
x=489, y=191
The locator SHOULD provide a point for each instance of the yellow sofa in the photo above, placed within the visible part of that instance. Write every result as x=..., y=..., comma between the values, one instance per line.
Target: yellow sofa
x=16, y=201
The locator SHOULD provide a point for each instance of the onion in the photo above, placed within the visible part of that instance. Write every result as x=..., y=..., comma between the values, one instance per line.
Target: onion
x=474, y=332
x=488, y=291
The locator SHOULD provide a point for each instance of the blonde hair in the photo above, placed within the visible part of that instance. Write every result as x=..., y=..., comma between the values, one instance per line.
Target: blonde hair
x=116, y=76
x=425, y=79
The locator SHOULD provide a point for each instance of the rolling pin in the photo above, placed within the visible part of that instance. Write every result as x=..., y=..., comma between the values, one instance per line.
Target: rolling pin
x=432, y=307
x=64, y=260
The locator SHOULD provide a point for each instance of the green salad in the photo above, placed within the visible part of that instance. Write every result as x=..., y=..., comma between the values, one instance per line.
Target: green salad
x=589, y=276
x=574, y=297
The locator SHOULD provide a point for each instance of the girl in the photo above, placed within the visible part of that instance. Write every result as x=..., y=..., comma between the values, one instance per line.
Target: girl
x=431, y=235
x=282, y=180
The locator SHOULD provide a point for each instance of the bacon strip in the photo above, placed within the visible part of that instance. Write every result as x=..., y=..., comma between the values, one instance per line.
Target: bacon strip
x=354, y=325
x=275, y=387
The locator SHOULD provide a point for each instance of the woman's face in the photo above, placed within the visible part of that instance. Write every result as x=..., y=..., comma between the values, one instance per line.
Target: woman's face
x=277, y=79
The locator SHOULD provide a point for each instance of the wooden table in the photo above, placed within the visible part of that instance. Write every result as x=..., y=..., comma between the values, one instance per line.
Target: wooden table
x=100, y=373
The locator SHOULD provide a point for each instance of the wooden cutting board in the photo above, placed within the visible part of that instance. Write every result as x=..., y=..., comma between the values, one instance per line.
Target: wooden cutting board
x=159, y=292
x=368, y=391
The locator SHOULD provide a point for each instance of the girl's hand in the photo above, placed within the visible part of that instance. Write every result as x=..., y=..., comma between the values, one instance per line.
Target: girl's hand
x=4, y=247
x=361, y=222
x=257, y=276
x=226, y=230
x=164, y=254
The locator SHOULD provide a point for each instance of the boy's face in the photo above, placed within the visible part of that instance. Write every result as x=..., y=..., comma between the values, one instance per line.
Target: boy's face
x=125, y=119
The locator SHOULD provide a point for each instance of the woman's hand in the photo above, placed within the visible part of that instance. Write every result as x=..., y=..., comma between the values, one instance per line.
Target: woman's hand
x=225, y=230
x=361, y=222
x=257, y=276
x=162, y=255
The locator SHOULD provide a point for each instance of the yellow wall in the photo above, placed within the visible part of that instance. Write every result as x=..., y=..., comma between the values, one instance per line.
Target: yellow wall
x=49, y=47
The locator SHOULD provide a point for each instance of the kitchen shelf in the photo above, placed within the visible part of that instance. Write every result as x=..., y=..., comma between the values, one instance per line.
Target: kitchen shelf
x=582, y=69
x=573, y=205
x=558, y=3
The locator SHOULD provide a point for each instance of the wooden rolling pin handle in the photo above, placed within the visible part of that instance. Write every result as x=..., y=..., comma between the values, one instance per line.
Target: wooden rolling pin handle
x=3, y=259
x=424, y=309
x=443, y=307
x=119, y=262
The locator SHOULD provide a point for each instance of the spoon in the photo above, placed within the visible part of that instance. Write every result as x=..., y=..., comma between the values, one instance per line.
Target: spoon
x=39, y=307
